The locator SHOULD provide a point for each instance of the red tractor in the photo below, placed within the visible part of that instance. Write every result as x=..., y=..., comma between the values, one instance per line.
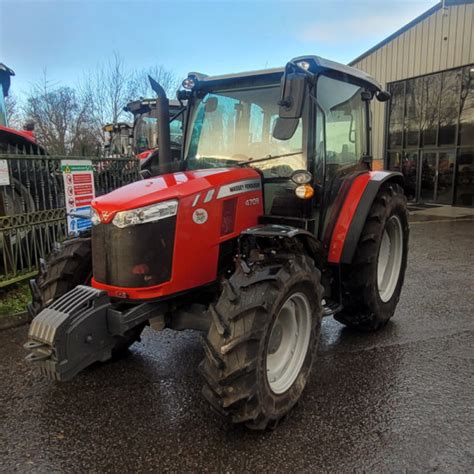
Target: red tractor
x=13, y=140
x=271, y=220
x=16, y=198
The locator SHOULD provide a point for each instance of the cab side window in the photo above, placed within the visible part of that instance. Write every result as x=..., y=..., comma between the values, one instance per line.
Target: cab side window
x=344, y=110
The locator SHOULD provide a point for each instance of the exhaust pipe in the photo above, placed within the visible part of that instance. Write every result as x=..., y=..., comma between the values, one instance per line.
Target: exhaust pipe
x=163, y=113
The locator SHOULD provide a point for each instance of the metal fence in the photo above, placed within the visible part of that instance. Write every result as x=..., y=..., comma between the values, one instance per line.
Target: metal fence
x=33, y=210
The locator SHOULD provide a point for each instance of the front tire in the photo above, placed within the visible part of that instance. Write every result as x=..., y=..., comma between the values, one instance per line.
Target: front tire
x=373, y=282
x=69, y=265
x=260, y=319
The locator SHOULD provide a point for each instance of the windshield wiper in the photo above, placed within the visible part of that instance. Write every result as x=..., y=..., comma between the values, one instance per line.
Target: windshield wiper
x=269, y=157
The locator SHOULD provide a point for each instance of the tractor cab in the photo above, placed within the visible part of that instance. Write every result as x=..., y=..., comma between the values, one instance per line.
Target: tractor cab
x=305, y=128
x=145, y=135
x=117, y=139
x=145, y=131
x=141, y=138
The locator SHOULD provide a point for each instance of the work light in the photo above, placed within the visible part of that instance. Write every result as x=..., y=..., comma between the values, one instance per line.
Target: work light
x=188, y=83
x=303, y=65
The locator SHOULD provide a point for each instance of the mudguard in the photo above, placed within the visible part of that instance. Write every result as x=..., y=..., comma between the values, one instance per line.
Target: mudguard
x=354, y=212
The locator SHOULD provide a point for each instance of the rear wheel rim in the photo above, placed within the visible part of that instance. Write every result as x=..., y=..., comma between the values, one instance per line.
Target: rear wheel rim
x=389, y=261
x=288, y=343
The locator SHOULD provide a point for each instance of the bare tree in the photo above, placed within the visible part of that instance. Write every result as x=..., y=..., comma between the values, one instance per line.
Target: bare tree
x=141, y=85
x=62, y=122
x=71, y=120
x=14, y=118
x=106, y=91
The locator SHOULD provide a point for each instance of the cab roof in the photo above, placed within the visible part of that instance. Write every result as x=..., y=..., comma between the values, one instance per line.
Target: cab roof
x=317, y=65
x=144, y=105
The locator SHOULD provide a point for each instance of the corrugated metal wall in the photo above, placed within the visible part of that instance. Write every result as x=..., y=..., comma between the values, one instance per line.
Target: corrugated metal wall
x=420, y=50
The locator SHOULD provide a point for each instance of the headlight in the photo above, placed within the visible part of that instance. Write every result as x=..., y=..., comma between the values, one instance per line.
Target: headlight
x=142, y=215
x=95, y=218
x=301, y=177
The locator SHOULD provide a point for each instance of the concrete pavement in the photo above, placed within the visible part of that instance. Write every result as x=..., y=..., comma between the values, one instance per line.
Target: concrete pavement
x=401, y=399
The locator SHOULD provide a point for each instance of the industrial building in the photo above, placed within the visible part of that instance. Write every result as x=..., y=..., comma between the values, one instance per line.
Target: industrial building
x=426, y=130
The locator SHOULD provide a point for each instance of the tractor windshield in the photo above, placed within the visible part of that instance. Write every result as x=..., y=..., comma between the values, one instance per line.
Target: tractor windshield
x=235, y=125
x=145, y=133
x=118, y=139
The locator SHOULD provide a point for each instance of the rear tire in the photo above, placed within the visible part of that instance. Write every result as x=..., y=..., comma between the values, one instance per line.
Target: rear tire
x=69, y=265
x=242, y=381
x=373, y=282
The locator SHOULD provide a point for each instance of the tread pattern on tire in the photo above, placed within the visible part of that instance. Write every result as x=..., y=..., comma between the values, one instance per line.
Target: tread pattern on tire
x=363, y=308
x=69, y=265
x=232, y=347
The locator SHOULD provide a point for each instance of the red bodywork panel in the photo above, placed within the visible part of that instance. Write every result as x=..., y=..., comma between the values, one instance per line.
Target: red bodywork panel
x=145, y=154
x=347, y=213
x=215, y=205
x=17, y=137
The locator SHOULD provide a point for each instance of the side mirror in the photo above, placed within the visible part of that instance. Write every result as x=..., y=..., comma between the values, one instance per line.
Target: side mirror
x=284, y=129
x=293, y=89
x=211, y=104
x=383, y=96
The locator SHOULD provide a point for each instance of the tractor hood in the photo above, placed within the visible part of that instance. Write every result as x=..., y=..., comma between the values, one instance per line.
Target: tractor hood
x=170, y=186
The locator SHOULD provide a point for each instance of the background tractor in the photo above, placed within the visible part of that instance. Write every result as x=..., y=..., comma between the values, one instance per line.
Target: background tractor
x=118, y=139
x=141, y=138
x=271, y=220
x=13, y=140
x=15, y=198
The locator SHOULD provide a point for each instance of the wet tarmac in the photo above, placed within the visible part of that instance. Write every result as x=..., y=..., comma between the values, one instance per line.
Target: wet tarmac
x=398, y=400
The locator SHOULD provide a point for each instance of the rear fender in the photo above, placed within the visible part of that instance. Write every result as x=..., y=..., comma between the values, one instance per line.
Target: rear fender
x=354, y=212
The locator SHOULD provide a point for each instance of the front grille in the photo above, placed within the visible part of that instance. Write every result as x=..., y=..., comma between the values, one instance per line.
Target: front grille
x=133, y=257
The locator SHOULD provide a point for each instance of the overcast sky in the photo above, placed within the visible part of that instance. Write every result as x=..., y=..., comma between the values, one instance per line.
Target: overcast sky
x=67, y=37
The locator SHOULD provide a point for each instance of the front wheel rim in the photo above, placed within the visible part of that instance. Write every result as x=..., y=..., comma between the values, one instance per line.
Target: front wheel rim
x=390, y=256
x=288, y=343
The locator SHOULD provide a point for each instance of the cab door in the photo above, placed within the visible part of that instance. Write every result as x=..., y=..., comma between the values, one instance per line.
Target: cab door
x=340, y=143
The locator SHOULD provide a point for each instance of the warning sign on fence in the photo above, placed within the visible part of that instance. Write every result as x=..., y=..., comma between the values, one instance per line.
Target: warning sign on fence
x=79, y=191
